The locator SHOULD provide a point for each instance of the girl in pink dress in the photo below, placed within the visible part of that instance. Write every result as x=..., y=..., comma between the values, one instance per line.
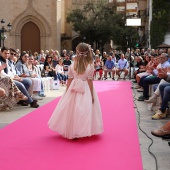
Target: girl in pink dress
x=78, y=113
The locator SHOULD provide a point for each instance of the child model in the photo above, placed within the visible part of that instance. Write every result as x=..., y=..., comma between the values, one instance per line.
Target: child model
x=78, y=113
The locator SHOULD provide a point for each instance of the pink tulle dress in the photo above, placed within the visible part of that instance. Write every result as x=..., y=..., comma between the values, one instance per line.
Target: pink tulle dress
x=75, y=115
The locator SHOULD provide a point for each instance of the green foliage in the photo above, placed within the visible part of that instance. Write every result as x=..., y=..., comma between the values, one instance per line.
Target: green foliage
x=160, y=21
x=100, y=23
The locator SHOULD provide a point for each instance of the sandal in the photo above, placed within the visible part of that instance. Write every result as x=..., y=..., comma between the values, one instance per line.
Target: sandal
x=21, y=96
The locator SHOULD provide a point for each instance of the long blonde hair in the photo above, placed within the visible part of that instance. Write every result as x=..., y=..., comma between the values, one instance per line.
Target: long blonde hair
x=83, y=58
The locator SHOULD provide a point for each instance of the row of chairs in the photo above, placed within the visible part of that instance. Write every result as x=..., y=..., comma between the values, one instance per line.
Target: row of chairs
x=109, y=74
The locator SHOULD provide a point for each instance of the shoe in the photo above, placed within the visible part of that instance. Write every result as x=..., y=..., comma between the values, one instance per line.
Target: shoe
x=134, y=81
x=21, y=96
x=36, y=97
x=161, y=132
x=152, y=99
x=159, y=115
x=142, y=98
x=137, y=87
x=140, y=90
x=23, y=103
x=5, y=108
x=105, y=78
x=166, y=137
x=113, y=78
x=42, y=95
x=34, y=104
x=19, y=102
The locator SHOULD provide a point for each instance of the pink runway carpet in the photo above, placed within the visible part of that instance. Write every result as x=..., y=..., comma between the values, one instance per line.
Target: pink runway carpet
x=28, y=144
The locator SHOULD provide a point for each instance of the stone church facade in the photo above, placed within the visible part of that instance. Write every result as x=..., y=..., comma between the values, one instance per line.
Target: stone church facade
x=36, y=24
x=39, y=24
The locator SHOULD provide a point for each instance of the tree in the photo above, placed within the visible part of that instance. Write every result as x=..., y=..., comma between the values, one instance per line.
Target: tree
x=160, y=22
x=99, y=24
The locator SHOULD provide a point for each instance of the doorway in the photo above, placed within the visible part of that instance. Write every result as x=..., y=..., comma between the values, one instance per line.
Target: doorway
x=30, y=38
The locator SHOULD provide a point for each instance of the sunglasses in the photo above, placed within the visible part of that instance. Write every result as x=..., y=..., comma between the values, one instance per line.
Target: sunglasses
x=13, y=54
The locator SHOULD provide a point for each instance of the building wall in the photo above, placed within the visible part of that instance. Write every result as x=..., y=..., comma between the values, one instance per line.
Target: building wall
x=45, y=14
x=49, y=16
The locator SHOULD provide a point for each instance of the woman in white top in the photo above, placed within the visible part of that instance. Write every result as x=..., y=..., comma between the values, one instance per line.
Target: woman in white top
x=26, y=70
x=60, y=72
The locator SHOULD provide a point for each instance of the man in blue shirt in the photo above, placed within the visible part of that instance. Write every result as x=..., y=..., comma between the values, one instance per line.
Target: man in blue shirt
x=122, y=66
x=109, y=67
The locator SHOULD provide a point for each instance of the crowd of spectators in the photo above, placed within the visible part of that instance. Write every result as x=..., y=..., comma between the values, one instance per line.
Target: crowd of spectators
x=146, y=66
x=153, y=70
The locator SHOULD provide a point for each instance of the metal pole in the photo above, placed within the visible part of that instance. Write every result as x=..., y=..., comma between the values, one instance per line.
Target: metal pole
x=129, y=43
x=130, y=61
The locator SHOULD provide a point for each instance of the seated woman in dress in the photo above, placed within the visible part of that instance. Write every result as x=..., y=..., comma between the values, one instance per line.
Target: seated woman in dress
x=98, y=66
x=60, y=72
x=22, y=66
x=9, y=93
x=36, y=71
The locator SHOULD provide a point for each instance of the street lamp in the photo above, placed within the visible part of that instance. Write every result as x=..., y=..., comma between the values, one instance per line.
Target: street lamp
x=3, y=30
x=131, y=22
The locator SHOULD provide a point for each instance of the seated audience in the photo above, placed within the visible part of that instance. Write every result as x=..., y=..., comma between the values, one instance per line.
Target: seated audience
x=156, y=94
x=139, y=67
x=48, y=67
x=33, y=70
x=109, y=67
x=26, y=71
x=9, y=93
x=60, y=72
x=145, y=81
x=104, y=58
x=165, y=95
x=98, y=67
x=149, y=70
x=122, y=66
x=66, y=63
x=23, y=84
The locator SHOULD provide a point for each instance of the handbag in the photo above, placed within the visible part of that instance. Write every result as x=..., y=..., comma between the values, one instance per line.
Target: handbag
x=51, y=73
x=56, y=84
x=43, y=73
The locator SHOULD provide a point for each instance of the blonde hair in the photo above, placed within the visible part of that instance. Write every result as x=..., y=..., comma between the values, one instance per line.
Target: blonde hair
x=83, y=58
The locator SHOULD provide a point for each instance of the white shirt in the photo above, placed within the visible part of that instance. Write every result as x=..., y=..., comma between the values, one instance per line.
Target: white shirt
x=11, y=71
x=59, y=69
